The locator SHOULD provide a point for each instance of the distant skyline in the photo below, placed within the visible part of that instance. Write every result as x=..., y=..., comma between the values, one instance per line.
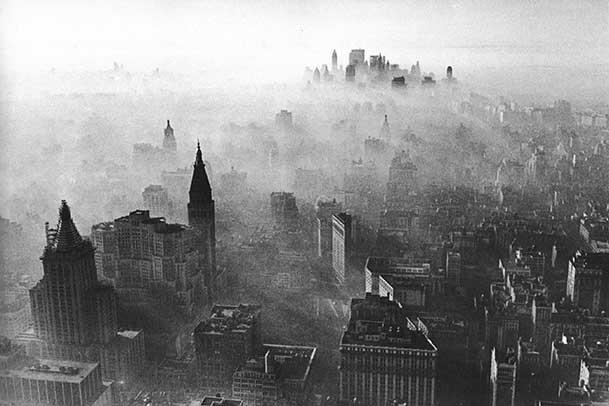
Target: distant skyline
x=282, y=37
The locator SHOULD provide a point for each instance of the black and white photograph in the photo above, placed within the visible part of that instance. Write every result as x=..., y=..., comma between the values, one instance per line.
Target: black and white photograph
x=304, y=203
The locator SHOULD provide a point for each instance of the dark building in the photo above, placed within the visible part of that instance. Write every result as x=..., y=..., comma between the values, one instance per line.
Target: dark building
x=75, y=316
x=398, y=82
x=503, y=378
x=69, y=305
x=279, y=377
x=588, y=281
x=283, y=208
x=316, y=75
x=169, y=142
x=202, y=217
x=223, y=342
x=385, y=359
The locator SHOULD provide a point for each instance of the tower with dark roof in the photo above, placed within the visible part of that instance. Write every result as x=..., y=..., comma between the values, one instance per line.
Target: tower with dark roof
x=201, y=216
x=169, y=141
x=69, y=305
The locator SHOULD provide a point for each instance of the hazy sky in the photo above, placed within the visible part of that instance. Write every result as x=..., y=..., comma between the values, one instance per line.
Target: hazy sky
x=276, y=37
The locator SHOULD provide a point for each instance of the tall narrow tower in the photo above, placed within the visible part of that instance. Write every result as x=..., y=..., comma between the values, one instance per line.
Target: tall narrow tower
x=334, y=61
x=201, y=216
x=69, y=305
x=169, y=142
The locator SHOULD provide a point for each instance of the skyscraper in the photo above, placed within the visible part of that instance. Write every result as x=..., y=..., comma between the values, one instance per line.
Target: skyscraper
x=402, y=182
x=169, y=142
x=75, y=316
x=334, y=61
x=69, y=305
x=201, y=216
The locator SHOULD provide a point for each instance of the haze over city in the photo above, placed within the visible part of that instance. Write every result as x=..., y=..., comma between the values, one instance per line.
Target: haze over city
x=304, y=203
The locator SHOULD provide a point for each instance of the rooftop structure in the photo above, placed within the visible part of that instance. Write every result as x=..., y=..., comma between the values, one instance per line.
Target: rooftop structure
x=378, y=335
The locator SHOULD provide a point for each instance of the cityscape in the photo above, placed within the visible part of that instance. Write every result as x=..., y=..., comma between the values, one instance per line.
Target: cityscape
x=379, y=229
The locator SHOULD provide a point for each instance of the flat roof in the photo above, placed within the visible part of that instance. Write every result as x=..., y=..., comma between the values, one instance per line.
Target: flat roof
x=53, y=370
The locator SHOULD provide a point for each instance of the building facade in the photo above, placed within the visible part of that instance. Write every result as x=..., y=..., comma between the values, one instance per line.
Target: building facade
x=223, y=342
x=385, y=359
x=342, y=240
x=202, y=218
x=139, y=255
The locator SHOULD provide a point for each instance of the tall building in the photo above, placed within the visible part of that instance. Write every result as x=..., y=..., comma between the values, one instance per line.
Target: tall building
x=503, y=378
x=588, y=281
x=334, y=61
x=350, y=73
x=143, y=256
x=75, y=316
x=202, y=217
x=385, y=358
x=156, y=200
x=284, y=209
x=342, y=241
x=324, y=211
x=357, y=57
x=279, y=377
x=169, y=141
x=69, y=305
x=409, y=281
x=223, y=342
x=402, y=184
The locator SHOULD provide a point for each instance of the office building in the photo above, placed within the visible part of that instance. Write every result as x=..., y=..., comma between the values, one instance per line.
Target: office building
x=54, y=383
x=280, y=376
x=503, y=377
x=223, y=342
x=74, y=315
x=342, y=242
x=588, y=281
x=324, y=209
x=139, y=255
x=385, y=359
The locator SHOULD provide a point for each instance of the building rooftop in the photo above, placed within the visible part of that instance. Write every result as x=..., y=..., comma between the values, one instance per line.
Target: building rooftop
x=591, y=260
x=52, y=370
x=291, y=362
x=376, y=321
x=214, y=401
x=224, y=319
x=382, y=265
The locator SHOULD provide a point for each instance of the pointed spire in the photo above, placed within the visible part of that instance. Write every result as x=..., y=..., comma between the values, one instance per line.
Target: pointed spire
x=168, y=125
x=67, y=234
x=200, y=188
x=199, y=157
